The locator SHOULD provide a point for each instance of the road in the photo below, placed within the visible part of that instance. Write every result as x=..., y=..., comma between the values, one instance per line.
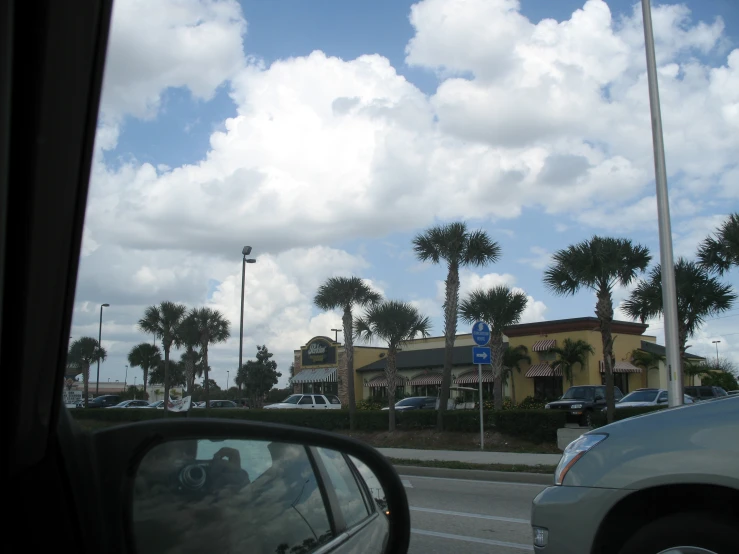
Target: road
x=456, y=515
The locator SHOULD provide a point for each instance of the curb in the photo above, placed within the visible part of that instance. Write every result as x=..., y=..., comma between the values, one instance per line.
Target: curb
x=477, y=475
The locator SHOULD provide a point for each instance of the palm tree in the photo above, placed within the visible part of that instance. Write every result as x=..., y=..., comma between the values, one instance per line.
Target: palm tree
x=213, y=327
x=146, y=356
x=344, y=293
x=699, y=296
x=598, y=264
x=395, y=323
x=189, y=335
x=512, y=358
x=500, y=307
x=647, y=361
x=84, y=352
x=570, y=354
x=721, y=252
x=163, y=322
x=458, y=247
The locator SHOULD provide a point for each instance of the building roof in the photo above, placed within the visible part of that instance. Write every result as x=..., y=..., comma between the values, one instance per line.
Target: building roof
x=572, y=324
x=424, y=359
x=654, y=348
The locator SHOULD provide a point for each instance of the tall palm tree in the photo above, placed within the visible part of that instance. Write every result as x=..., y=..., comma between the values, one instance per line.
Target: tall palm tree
x=395, y=323
x=647, y=361
x=699, y=296
x=163, y=322
x=84, y=352
x=598, y=264
x=146, y=356
x=345, y=293
x=458, y=247
x=499, y=307
x=213, y=327
x=512, y=358
x=570, y=354
x=719, y=253
x=189, y=335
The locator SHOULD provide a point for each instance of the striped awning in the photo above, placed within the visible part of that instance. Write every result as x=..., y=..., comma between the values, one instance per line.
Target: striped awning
x=544, y=345
x=471, y=377
x=544, y=370
x=621, y=367
x=319, y=375
x=381, y=382
x=426, y=379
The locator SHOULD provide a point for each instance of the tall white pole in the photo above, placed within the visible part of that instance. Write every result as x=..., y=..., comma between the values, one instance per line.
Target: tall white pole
x=669, y=294
x=479, y=383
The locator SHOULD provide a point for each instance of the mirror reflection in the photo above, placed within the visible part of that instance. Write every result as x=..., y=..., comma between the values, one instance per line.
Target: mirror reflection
x=255, y=496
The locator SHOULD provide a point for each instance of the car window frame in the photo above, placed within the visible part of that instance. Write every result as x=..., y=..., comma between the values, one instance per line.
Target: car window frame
x=322, y=402
x=301, y=403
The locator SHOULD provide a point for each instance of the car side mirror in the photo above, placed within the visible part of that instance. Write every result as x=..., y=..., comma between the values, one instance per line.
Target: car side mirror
x=218, y=485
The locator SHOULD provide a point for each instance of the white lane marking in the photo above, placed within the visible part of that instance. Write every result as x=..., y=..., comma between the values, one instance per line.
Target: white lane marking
x=541, y=486
x=406, y=483
x=491, y=542
x=466, y=514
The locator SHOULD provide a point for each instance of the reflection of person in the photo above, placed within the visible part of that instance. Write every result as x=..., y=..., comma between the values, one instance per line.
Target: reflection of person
x=225, y=470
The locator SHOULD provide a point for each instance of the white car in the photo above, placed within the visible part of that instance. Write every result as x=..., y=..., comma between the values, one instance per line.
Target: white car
x=647, y=397
x=307, y=402
x=131, y=404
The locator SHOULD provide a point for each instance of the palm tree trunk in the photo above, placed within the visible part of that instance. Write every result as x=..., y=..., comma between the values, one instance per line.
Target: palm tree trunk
x=349, y=353
x=166, y=346
x=207, y=385
x=391, y=374
x=146, y=378
x=513, y=389
x=86, y=378
x=451, y=302
x=496, y=346
x=604, y=313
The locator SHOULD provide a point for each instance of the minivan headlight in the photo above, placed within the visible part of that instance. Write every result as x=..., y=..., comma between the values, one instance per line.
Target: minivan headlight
x=574, y=451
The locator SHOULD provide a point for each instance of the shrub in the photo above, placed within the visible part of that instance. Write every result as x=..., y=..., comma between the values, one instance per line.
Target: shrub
x=531, y=403
x=369, y=405
x=536, y=426
x=599, y=418
x=416, y=419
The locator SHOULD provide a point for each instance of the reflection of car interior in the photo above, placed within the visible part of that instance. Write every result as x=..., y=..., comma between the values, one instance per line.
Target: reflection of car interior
x=305, y=498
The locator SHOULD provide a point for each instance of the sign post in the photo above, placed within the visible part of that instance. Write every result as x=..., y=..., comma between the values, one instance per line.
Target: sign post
x=481, y=355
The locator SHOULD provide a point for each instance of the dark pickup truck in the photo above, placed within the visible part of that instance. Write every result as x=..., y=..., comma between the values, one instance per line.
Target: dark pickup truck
x=581, y=401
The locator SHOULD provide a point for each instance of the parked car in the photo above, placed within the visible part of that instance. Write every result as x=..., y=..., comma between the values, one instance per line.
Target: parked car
x=158, y=404
x=647, y=397
x=307, y=402
x=131, y=404
x=732, y=392
x=705, y=392
x=217, y=404
x=666, y=481
x=104, y=401
x=416, y=403
x=581, y=401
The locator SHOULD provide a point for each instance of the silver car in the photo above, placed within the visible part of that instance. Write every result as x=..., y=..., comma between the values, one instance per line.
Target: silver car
x=664, y=482
x=647, y=397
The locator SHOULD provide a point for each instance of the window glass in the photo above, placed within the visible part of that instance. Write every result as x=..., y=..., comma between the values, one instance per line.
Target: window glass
x=347, y=489
x=306, y=400
x=334, y=399
x=292, y=399
x=662, y=397
x=320, y=400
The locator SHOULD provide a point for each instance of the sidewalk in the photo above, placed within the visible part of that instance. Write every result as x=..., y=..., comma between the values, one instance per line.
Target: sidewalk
x=472, y=456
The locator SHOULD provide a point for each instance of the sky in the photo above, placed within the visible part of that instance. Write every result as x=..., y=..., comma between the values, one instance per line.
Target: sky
x=327, y=134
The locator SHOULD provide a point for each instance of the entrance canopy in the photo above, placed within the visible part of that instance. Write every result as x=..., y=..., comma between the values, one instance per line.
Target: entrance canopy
x=318, y=375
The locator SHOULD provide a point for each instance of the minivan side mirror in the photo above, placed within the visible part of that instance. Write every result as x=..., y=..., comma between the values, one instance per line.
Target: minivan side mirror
x=250, y=486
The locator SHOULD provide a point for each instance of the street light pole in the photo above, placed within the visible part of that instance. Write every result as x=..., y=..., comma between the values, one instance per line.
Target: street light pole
x=336, y=334
x=669, y=290
x=125, y=380
x=228, y=374
x=716, y=343
x=100, y=337
x=244, y=253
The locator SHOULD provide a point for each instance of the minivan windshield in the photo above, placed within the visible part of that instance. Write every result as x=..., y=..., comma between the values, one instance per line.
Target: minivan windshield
x=641, y=396
x=292, y=399
x=579, y=393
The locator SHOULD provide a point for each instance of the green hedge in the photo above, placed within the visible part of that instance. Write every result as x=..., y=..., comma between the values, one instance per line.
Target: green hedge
x=534, y=425
x=599, y=418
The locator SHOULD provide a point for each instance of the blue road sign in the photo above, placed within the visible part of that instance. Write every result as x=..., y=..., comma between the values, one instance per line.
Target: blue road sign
x=481, y=333
x=481, y=355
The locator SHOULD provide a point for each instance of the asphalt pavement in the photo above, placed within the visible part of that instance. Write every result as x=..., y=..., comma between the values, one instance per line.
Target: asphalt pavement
x=462, y=515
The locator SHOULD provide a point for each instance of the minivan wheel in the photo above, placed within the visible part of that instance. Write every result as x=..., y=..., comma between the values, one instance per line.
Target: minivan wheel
x=684, y=533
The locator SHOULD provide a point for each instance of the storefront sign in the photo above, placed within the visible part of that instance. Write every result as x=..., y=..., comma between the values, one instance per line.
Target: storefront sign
x=318, y=351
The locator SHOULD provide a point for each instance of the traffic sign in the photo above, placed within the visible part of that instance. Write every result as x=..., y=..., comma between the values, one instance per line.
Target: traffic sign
x=481, y=355
x=481, y=333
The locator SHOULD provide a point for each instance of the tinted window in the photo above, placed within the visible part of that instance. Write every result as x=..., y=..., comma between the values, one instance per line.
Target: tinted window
x=334, y=399
x=662, y=397
x=351, y=499
x=580, y=393
x=721, y=392
x=320, y=400
x=600, y=393
x=410, y=402
x=292, y=399
x=306, y=400
x=641, y=396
